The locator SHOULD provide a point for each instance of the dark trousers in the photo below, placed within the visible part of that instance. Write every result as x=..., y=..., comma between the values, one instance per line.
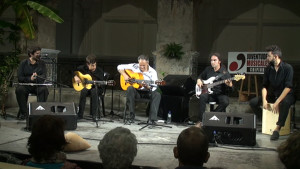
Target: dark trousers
x=284, y=107
x=22, y=93
x=132, y=94
x=222, y=101
x=94, y=93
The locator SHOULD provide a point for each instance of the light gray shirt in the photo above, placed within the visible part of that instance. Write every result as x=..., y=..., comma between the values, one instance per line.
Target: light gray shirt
x=151, y=74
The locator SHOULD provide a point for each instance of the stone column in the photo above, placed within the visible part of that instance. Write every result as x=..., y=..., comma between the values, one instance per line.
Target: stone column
x=175, y=24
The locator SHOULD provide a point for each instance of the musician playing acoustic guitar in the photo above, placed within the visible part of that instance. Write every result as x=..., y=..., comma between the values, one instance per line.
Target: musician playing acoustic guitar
x=96, y=73
x=31, y=70
x=145, y=89
x=218, y=92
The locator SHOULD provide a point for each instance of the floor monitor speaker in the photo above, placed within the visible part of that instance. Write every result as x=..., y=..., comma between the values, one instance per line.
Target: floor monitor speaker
x=178, y=85
x=230, y=128
x=66, y=111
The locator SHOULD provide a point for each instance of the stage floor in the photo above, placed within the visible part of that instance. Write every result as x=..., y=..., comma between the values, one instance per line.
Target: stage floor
x=155, y=145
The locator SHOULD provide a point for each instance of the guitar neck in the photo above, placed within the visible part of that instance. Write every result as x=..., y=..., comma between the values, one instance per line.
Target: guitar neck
x=96, y=82
x=218, y=82
x=146, y=81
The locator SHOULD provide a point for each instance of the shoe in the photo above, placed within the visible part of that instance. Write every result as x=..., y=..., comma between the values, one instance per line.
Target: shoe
x=132, y=117
x=152, y=122
x=22, y=117
x=79, y=117
x=275, y=135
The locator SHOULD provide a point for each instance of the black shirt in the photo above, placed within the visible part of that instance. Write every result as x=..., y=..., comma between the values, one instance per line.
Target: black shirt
x=98, y=74
x=275, y=82
x=222, y=74
x=26, y=69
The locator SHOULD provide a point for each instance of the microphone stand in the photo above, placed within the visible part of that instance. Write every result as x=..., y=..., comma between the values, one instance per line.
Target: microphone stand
x=53, y=82
x=112, y=113
x=97, y=117
x=53, y=60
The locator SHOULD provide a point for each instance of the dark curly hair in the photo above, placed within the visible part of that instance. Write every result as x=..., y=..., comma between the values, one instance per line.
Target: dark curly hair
x=288, y=151
x=47, y=137
x=32, y=50
x=275, y=50
x=90, y=59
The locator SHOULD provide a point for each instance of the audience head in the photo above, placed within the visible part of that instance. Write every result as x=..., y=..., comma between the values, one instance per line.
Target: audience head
x=47, y=137
x=288, y=151
x=192, y=147
x=118, y=148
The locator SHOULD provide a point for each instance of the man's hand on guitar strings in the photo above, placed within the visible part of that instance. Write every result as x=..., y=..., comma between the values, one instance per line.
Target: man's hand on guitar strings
x=144, y=84
x=77, y=79
x=199, y=83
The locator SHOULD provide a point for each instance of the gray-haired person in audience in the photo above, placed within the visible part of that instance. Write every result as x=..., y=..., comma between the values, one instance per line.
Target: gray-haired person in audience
x=118, y=148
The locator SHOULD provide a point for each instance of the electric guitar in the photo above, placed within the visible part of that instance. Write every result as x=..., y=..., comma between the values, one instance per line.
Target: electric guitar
x=87, y=82
x=136, y=80
x=208, y=84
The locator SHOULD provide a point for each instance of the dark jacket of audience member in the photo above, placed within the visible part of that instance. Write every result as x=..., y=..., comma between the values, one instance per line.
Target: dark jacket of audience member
x=289, y=151
x=118, y=149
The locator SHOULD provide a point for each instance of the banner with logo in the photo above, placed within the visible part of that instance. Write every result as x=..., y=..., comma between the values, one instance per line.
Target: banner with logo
x=247, y=62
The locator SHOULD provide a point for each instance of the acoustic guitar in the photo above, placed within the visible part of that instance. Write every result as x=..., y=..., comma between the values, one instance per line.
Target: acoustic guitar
x=136, y=80
x=87, y=82
x=208, y=84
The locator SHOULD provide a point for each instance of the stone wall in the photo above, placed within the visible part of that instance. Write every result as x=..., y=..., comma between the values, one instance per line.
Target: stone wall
x=174, y=20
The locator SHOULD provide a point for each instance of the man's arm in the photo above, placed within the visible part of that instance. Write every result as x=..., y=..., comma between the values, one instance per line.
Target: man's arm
x=122, y=72
x=201, y=76
x=264, y=93
x=280, y=98
x=21, y=76
x=199, y=82
x=121, y=68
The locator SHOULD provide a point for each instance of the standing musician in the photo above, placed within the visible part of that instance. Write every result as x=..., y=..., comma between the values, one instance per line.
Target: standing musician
x=96, y=73
x=219, y=71
x=31, y=70
x=277, y=88
x=145, y=91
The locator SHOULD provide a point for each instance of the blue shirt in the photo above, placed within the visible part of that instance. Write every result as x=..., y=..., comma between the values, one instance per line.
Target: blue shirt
x=45, y=165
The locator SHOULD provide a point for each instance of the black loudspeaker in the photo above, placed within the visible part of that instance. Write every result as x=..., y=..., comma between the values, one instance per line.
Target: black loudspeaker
x=66, y=111
x=194, y=105
x=178, y=85
x=178, y=106
x=230, y=128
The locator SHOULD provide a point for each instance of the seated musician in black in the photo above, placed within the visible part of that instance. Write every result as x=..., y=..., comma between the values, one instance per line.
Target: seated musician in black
x=31, y=71
x=96, y=73
x=146, y=90
x=219, y=71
